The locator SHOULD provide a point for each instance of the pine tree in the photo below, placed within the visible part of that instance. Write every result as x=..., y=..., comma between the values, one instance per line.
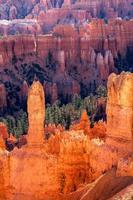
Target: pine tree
x=18, y=130
x=101, y=91
x=11, y=123
x=76, y=101
x=24, y=122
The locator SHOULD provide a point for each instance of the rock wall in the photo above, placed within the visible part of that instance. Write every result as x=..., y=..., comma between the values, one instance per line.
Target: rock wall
x=77, y=60
x=109, y=39
x=120, y=120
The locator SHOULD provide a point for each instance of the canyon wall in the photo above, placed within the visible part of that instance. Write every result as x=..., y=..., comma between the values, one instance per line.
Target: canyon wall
x=79, y=59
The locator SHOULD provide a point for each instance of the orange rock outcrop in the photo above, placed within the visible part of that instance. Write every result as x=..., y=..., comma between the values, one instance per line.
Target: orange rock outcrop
x=84, y=124
x=99, y=130
x=120, y=120
x=120, y=106
x=36, y=113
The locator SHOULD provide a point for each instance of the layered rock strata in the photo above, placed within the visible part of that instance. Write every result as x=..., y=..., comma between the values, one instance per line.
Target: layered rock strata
x=77, y=61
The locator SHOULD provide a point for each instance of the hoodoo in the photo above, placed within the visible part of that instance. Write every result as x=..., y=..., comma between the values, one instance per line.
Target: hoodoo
x=36, y=113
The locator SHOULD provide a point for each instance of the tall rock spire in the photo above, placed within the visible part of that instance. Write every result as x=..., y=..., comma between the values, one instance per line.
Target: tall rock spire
x=36, y=113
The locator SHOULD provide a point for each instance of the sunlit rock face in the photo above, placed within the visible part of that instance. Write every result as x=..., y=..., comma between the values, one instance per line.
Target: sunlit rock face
x=36, y=113
x=120, y=106
x=29, y=161
x=120, y=120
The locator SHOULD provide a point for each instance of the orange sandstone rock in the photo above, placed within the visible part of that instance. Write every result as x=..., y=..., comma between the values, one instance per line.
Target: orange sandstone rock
x=120, y=120
x=125, y=167
x=36, y=113
x=120, y=106
x=99, y=130
x=84, y=123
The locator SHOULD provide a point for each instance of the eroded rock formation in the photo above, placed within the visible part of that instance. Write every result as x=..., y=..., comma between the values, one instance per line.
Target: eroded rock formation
x=120, y=106
x=41, y=9
x=84, y=124
x=60, y=167
x=120, y=119
x=78, y=60
x=120, y=116
x=36, y=113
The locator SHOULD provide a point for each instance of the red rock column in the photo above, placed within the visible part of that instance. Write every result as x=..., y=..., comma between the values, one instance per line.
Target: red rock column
x=36, y=113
